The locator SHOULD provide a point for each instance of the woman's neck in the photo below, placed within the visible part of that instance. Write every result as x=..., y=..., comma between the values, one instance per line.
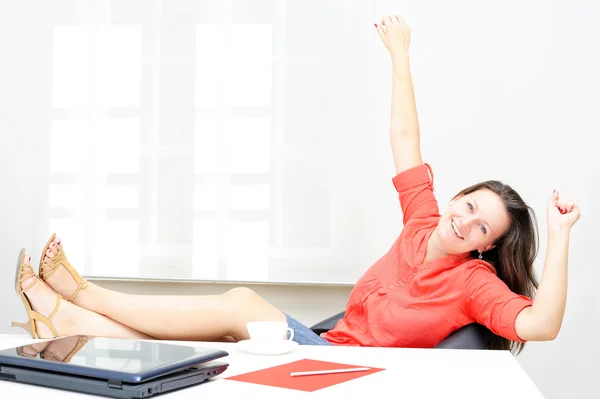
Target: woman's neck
x=434, y=248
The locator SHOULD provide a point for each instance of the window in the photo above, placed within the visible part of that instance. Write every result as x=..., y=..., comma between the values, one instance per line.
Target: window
x=192, y=140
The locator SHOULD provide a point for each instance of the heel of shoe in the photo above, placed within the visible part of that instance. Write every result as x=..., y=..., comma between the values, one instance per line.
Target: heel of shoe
x=27, y=326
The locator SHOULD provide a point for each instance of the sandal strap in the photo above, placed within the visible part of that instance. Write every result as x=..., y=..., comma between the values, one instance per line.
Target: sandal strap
x=79, y=288
x=25, y=273
x=51, y=265
x=47, y=354
x=55, y=307
x=80, y=344
x=50, y=355
x=40, y=317
x=36, y=316
x=21, y=352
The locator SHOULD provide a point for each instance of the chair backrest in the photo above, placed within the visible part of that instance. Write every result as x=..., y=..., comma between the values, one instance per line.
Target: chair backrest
x=327, y=324
x=472, y=336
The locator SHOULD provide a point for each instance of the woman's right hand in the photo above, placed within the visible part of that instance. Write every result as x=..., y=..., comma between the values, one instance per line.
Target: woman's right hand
x=395, y=34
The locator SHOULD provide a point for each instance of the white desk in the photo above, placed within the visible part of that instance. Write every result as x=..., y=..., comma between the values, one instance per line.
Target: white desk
x=410, y=373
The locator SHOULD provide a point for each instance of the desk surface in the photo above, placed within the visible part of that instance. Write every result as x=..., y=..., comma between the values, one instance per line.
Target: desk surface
x=410, y=373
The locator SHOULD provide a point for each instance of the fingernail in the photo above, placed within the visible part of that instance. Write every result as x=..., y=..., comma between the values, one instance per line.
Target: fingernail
x=375, y=25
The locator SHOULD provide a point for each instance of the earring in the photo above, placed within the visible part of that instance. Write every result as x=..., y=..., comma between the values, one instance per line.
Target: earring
x=480, y=256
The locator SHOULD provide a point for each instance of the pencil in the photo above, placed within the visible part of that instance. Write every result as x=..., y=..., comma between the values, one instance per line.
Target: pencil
x=334, y=371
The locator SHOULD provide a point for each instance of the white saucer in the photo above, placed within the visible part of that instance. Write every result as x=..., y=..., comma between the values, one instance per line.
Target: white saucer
x=268, y=348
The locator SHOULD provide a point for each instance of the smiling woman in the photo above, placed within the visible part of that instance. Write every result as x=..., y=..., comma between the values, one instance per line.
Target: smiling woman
x=473, y=263
x=261, y=191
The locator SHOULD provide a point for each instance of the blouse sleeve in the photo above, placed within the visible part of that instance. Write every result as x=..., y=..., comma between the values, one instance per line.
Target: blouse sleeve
x=490, y=302
x=415, y=191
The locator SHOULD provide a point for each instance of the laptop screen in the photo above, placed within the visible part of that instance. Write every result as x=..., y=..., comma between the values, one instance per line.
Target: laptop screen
x=132, y=357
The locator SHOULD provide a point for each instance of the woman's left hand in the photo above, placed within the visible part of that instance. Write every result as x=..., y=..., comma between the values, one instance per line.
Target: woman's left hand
x=561, y=214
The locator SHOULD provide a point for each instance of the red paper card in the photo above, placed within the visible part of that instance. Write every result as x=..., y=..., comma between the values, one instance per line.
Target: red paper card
x=279, y=376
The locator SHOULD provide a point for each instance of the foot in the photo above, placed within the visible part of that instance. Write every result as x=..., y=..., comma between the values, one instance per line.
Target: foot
x=33, y=349
x=43, y=300
x=61, y=280
x=62, y=350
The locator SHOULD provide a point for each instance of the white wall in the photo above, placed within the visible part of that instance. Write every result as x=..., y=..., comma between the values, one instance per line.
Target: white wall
x=528, y=82
x=537, y=62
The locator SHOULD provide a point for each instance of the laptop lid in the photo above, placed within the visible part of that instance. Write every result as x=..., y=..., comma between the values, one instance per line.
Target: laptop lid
x=119, y=360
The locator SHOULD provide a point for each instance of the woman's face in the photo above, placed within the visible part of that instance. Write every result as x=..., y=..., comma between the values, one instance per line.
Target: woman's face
x=473, y=222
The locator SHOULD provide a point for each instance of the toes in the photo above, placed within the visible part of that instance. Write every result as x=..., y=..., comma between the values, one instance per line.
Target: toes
x=54, y=246
x=27, y=259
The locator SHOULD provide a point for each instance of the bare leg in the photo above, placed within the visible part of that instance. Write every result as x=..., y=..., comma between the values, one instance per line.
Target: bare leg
x=71, y=319
x=182, y=317
x=200, y=318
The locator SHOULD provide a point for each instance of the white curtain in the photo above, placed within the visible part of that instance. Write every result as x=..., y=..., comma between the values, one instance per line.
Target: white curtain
x=246, y=140
x=194, y=139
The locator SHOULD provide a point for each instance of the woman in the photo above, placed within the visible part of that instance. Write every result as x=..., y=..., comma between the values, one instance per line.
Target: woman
x=473, y=263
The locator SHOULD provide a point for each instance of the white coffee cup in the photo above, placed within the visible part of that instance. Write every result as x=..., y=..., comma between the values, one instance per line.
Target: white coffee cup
x=269, y=331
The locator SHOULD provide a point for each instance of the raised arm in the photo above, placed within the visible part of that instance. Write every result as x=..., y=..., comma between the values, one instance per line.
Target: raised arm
x=404, y=124
x=542, y=320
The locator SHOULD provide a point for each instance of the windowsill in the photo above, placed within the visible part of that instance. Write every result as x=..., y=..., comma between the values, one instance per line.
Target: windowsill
x=223, y=282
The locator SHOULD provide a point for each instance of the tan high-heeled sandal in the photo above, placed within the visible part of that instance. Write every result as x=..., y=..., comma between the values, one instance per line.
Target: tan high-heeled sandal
x=48, y=354
x=52, y=264
x=25, y=272
x=21, y=350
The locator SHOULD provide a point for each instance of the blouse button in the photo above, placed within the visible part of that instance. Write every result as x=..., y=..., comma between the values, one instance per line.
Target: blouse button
x=404, y=280
x=392, y=287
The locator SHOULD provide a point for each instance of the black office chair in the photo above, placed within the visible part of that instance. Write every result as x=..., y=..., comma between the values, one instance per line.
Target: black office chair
x=472, y=336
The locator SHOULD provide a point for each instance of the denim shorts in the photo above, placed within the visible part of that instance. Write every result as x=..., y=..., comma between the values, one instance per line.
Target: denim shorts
x=304, y=335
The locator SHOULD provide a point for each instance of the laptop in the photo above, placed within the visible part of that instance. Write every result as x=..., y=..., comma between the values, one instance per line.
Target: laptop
x=110, y=367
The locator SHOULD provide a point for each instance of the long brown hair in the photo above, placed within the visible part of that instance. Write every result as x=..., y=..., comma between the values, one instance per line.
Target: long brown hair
x=513, y=253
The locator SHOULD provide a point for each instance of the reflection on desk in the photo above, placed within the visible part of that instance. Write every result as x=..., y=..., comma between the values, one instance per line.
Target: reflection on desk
x=409, y=373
